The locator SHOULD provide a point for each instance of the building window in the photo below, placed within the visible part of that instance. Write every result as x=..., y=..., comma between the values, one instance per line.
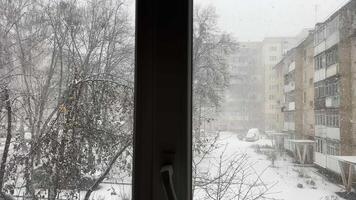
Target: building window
x=305, y=77
x=329, y=118
x=320, y=118
x=319, y=145
x=319, y=35
x=273, y=58
x=319, y=91
x=332, y=26
x=331, y=56
x=289, y=116
x=332, y=88
x=273, y=48
x=333, y=148
x=332, y=120
x=310, y=81
x=320, y=61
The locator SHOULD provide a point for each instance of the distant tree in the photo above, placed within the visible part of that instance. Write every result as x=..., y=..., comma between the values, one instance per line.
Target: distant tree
x=210, y=65
x=211, y=49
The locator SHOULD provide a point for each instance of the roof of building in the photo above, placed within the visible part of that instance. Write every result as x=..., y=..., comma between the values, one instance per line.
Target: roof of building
x=347, y=159
x=302, y=141
x=337, y=12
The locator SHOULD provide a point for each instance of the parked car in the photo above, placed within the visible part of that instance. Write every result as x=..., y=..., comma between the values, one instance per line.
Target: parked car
x=252, y=135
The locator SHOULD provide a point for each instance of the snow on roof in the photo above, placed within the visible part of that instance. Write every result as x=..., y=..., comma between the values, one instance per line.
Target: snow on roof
x=348, y=159
x=302, y=141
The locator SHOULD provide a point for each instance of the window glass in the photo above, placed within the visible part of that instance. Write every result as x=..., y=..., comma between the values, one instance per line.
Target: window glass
x=292, y=48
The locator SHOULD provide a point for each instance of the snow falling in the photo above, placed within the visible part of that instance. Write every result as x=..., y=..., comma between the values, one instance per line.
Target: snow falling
x=273, y=100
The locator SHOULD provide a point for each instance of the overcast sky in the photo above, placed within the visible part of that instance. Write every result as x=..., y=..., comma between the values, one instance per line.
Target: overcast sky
x=252, y=20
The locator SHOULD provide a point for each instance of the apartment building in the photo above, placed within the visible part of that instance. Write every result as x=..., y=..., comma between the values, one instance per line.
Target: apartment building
x=306, y=52
x=335, y=86
x=244, y=96
x=289, y=72
x=278, y=94
x=273, y=50
x=285, y=73
x=294, y=75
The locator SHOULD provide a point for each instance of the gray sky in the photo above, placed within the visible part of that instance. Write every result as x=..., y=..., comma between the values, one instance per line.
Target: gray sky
x=252, y=20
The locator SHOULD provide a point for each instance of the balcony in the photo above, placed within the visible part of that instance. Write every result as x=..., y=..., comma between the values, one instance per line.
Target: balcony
x=332, y=102
x=332, y=70
x=332, y=39
x=290, y=126
x=319, y=48
x=288, y=106
x=319, y=103
x=327, y=132
x=289, y=87
x=326, y=161
x=319, y=75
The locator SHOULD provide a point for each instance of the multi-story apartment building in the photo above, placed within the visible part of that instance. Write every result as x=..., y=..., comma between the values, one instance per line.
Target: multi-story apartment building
x=279, y=95
x=289, y=73
x=306, y=52
x=295, y=96
x=291, y=91
x=244, y=96
x=335, y=86
x=273, y=49
x=296, y=71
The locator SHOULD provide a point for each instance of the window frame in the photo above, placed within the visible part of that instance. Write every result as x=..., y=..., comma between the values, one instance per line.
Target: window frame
x=163, y=96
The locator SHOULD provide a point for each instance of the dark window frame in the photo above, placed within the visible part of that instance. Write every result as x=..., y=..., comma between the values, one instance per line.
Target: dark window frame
x=163, y=89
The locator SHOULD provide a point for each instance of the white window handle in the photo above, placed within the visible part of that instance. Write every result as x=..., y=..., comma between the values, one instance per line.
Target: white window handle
x=167, y=180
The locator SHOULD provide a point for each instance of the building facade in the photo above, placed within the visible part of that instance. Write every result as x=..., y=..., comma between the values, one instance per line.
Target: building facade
x=334, y=85
x=243, y=106
x=296, y=94
x=306, y=52
x=273, y=50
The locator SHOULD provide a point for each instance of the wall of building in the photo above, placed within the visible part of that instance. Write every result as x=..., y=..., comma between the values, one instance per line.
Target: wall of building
x=353, y=91
x=307, y=51
x=347, y=27
x=273, y=50
x=279, y=95
x=243, y=106
x=333, y=82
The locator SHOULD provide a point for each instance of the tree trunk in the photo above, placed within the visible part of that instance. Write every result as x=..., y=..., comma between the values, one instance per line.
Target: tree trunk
x=8, y=139
x=101, y=178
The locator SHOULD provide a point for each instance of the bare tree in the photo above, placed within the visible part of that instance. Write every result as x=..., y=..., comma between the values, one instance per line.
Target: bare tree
x=210, y=66
x=203, y=148
x=232, y=177
x=69, y=65
x=8, y=136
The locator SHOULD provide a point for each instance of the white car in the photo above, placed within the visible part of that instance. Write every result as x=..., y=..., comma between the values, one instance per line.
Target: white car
x=252, y=135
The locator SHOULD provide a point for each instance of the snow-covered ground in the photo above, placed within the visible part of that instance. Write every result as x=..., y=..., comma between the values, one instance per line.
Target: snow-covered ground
x=111, y=191
x=285, y=174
